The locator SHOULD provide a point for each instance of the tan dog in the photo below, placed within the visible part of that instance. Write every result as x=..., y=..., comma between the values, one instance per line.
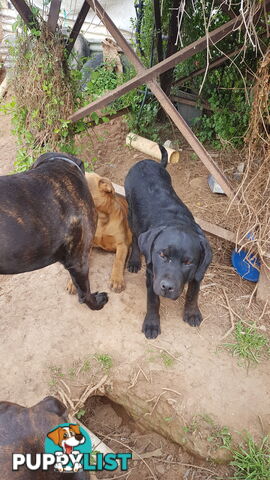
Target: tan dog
x=112, y=233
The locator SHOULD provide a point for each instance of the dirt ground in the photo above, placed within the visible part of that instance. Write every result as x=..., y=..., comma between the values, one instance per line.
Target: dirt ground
x=182, y=385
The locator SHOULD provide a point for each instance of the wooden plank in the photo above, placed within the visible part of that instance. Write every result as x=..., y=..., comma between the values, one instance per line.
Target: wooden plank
x=77, y=26
x=187, y=101
x=263, y=289
x=54, y=15
x=26, y=13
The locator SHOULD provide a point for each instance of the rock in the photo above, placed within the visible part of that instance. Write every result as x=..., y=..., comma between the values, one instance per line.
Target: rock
x=214, y=186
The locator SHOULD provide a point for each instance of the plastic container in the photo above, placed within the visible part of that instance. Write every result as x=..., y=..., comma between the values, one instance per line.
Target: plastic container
x=244, y=267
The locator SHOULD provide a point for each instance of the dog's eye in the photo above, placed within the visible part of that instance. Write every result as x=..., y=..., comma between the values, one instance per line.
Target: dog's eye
x=186, y=261
x=65, y=435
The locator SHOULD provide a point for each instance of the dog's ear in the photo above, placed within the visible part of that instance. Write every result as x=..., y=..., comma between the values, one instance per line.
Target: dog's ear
x=75, y=428
x=52, y=405
x=55, y=436
x=146, y=240
x=206, y=255
x=105, y=185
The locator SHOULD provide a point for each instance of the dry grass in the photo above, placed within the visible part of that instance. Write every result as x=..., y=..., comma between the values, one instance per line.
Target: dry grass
x=253, y=195
x=44, y=91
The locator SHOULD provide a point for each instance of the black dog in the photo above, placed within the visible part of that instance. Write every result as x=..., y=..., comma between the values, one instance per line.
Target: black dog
x=23, y=430
x=47, y=215
x=175, y=248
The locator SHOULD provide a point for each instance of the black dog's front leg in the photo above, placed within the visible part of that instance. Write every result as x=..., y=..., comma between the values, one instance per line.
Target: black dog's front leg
x=192, y=314
x=151, y=324
x=134, y=262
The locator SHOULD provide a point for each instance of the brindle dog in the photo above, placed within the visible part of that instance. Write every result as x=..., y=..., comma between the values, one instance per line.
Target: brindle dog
x=23, y=430
x=47, y=215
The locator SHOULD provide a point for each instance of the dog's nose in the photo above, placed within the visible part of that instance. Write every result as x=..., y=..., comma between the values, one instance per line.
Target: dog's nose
x=78, y=436
x=166, y=287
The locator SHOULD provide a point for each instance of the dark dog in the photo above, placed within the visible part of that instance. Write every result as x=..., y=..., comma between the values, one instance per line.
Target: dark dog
x=23, y=430
x=47, y=215
x=175, y=248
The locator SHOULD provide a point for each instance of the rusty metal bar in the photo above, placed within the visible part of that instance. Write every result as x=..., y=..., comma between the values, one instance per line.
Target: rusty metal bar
x=149, y=75
x=186, y=131
x=144, y=75
x=116, y=34
x=54, y=15
x=212, y=65
x=77, y=26
x=26, y=13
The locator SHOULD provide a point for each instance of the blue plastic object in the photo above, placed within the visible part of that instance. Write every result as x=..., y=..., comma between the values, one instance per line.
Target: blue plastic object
x=244, y=267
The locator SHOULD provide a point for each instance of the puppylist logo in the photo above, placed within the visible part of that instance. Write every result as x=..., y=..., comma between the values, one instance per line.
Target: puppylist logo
x=68, y=449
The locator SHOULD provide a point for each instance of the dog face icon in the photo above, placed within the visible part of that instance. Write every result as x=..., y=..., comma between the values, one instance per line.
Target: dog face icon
x=67, y=437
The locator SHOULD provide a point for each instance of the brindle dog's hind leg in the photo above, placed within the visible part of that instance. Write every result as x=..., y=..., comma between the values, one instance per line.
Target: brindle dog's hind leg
x=77, y=263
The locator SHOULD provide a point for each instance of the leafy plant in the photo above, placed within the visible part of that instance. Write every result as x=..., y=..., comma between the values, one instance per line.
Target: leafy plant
x=80, y=413
x=249, y=345
x=221, y=436
x=252, y=461
x=227, y=89
x=47, y=92
x=105, y=360
x=167, y=359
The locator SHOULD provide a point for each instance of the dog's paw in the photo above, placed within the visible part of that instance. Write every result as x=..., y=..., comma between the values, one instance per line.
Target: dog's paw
x=193, y=318
x=101, y=298
x=151, y=326
x=70, y=287
x=117, y=285
x=134, y=266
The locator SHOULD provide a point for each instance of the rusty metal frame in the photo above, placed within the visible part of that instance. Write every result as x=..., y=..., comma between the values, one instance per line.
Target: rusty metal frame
x=77, y=26
x=26, y=13
x=53, y=15
x=149, y=76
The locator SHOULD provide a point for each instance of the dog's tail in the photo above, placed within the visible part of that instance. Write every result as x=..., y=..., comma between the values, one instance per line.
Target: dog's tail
x=164, y=156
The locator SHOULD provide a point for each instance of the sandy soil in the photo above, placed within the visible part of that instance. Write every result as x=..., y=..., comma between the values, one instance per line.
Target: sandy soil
x=43, y=328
